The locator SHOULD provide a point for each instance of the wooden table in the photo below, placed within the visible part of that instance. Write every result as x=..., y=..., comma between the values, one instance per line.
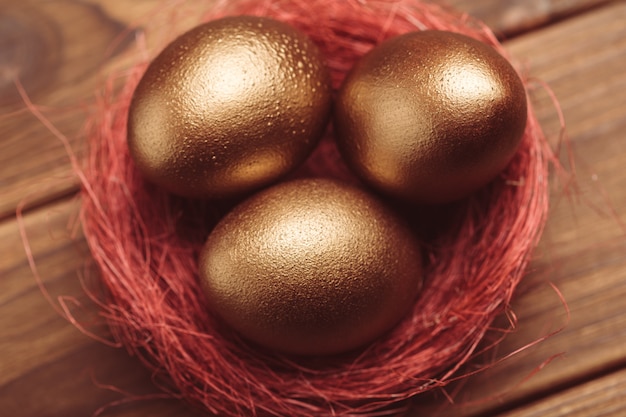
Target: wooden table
x=61, y=49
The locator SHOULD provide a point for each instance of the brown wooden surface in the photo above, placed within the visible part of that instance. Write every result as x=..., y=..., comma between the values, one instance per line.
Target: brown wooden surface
x=61, y=48
x=599, y=397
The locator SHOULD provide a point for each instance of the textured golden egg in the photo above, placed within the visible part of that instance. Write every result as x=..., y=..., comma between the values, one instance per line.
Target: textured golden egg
x=311, y=267
x=229, y=106
x=430, y=116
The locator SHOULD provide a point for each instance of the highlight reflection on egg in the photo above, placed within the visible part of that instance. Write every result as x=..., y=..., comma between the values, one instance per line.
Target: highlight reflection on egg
x=228, y=107
x=430, y=116
x=311, y=267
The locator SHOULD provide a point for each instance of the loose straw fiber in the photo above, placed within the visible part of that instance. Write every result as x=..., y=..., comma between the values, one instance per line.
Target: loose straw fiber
x=145, y=243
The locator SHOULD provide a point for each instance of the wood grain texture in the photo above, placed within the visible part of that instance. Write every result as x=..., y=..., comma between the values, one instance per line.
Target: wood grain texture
x=514, y=16
x=604, y=397
x=56, y=50
x=49, y=368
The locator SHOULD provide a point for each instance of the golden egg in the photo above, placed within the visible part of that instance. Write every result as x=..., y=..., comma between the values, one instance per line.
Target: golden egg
x=430, y=116
x=311, y=267
x=228, y=107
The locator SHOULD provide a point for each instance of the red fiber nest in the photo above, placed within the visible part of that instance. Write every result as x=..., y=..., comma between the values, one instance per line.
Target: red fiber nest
x=145, y=243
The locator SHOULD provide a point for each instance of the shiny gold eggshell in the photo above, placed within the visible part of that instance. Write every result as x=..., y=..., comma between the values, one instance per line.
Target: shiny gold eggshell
x=228, y=107
x=311, y=267
x=430, y=116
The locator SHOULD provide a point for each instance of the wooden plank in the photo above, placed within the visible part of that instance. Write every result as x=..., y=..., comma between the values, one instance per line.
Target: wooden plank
x=511, y=17
x=583, y=251
x=604, y=397
x=48, y=367
x=60, y=49
x=56, y=50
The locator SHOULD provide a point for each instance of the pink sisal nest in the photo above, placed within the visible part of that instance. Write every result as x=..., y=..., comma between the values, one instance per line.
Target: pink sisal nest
x=145, y=243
